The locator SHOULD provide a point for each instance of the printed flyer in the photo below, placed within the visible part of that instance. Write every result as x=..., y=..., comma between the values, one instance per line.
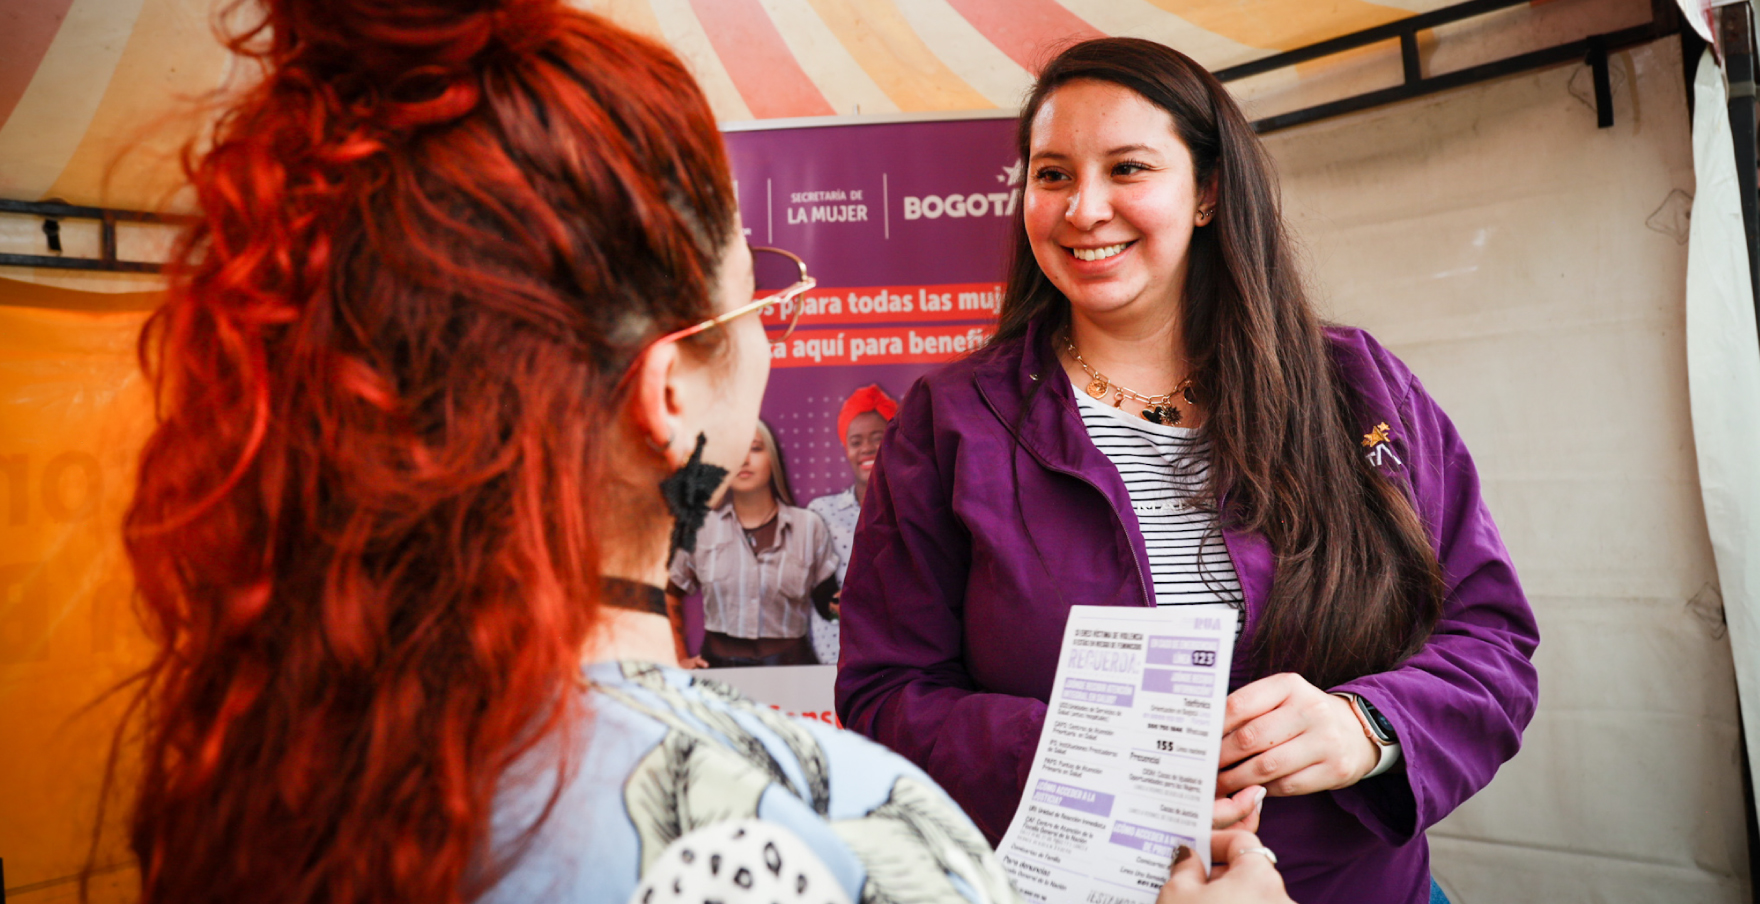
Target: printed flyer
x=1126, y=766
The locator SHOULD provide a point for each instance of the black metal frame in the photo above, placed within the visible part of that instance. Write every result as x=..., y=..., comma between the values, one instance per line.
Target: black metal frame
x=1592, y=50
x=53, y=211
x=1736, y=36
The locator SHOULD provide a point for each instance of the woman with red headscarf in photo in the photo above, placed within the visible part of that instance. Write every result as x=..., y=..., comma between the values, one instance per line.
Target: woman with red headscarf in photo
x=861, y=423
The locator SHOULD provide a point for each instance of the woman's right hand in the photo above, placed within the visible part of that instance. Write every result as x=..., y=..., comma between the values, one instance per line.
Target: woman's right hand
x=693, y=662
x=1240, y=875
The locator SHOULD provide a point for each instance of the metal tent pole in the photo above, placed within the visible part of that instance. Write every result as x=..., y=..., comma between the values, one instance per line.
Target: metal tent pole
x=1735, y=24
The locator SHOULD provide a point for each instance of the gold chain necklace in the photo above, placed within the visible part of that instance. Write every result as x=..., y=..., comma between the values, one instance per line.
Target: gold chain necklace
x=1157, y=409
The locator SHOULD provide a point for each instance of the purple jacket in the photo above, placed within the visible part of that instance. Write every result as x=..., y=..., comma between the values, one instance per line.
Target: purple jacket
x=972, y=547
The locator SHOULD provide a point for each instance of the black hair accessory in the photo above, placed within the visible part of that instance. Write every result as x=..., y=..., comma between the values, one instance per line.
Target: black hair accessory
x=687, y=493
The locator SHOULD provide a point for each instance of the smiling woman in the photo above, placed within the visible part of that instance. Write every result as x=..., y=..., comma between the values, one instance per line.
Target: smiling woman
x=861, y=424
x=1163, y=420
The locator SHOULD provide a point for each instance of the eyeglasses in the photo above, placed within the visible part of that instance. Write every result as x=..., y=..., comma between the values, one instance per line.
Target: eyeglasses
x=781, y=279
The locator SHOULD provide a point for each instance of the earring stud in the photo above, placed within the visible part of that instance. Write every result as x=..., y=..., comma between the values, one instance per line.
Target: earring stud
x=671, y=437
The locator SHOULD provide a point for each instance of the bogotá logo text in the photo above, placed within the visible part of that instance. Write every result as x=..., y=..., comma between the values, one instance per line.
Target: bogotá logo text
x=969, y=204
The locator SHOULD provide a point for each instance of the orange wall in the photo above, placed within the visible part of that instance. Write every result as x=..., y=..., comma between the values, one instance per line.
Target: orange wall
x=73, y=411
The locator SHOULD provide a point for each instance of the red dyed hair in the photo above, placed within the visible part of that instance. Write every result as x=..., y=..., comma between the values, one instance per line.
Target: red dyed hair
x=432, y=237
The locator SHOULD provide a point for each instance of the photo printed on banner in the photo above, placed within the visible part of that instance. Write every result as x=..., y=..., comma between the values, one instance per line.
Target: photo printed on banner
x=905, y=226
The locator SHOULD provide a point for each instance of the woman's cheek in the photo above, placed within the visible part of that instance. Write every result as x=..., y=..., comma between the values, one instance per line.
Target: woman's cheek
x=1040, y=214
x=1154, y=210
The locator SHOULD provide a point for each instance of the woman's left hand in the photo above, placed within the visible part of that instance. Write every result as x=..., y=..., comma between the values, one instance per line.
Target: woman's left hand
x=1293, y=738
x=1239, y=811
x=1241, y=873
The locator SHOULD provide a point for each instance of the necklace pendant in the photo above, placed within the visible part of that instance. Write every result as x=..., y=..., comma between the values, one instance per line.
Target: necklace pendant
x=1117, y=396
x=1165, y=415
x=1097, y=387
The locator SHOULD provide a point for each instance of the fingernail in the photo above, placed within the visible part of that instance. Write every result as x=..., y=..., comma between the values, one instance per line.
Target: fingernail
x=1259, y=798
x=1181, y=855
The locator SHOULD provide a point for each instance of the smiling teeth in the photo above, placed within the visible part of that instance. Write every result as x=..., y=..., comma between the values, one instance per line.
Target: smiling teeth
x=1099, y=254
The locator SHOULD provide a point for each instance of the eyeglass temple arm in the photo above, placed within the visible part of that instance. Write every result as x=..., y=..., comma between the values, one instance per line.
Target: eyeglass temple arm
x=788, y=254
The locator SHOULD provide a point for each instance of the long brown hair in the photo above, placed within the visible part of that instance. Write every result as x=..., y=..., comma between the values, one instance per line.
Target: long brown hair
x=779, y=485
x=431, y=238
x=1357, y=587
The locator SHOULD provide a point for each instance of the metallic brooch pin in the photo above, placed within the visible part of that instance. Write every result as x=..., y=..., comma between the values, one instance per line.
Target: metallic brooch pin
x=1380, y=445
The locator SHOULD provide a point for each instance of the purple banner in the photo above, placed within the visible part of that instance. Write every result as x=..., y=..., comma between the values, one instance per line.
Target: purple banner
x=1181, y=651
x=1106, y=693
x=906, y=228
x=1167, y=681
x=1147, y=840
x=1070, y=797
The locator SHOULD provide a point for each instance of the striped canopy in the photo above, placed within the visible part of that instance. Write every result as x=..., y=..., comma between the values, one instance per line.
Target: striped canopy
x=82, y=81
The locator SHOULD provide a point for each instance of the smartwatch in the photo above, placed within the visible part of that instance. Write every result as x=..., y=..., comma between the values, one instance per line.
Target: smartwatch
x=1378, y=729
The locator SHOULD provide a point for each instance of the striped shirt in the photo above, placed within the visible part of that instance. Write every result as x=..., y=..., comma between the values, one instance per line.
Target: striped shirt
x=761, y=593
x=1167, y=471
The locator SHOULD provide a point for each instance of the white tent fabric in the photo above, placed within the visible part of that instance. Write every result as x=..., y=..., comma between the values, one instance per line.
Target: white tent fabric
x=1723, y=369
x=1531, y=269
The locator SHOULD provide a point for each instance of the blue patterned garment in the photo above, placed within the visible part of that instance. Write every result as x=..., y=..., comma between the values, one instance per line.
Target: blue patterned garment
x=665, y=754
x=840, y=512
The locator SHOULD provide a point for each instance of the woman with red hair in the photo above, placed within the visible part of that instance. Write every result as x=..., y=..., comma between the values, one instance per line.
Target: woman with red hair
x=460, y=345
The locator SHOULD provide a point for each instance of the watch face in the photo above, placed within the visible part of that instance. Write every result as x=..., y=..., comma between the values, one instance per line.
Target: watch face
x=1383, y=727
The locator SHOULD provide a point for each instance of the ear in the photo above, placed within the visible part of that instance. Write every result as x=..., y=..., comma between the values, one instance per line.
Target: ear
x=1207, y=201
x=656, y=406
